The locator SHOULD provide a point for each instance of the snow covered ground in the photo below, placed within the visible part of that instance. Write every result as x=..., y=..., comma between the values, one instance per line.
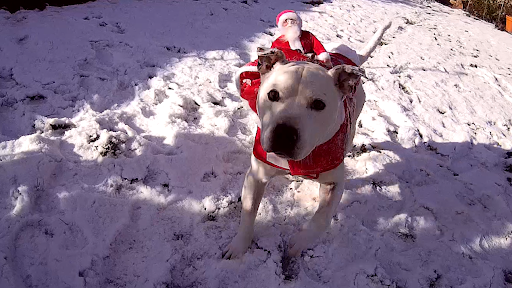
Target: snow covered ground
x=123, y=145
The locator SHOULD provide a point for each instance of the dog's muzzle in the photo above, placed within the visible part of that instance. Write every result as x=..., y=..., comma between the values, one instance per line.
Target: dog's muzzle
x=283, y=141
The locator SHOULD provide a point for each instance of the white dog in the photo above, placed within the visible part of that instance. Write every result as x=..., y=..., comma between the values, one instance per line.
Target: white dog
x=302, y=106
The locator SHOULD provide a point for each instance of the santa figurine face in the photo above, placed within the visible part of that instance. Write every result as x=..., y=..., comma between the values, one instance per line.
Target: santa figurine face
x=291, y=29
x=289, y=22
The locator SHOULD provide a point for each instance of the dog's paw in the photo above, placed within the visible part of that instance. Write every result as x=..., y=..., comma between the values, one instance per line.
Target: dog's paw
x=301, y=241
x=237, y=247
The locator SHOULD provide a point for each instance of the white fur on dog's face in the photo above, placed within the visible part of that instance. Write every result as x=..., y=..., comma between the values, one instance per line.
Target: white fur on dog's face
x=301, y=87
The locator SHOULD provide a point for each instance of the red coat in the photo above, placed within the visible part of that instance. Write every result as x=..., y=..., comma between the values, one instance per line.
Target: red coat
x=309, y=43
x=324, y=157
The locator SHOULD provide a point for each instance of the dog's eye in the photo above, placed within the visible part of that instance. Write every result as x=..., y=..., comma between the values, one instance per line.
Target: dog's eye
x=273, y=95
x=317, y=105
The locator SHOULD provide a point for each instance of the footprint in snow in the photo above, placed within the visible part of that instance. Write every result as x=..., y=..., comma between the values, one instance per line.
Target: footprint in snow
x=209, y=176
x=36, y=242
x=22, y=40
x=175, y=49
x=115, y=27
x=508, y=167
x=290, y=265
x=225, y=79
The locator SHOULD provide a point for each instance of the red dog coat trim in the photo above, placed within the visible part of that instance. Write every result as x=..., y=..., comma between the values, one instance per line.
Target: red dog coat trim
x=324, y=157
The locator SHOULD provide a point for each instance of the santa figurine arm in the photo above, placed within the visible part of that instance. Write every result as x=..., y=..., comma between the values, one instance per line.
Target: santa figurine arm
x=320, y=52
x=278, y=43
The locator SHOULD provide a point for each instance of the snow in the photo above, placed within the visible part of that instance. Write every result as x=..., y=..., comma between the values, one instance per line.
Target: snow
x=123, y=147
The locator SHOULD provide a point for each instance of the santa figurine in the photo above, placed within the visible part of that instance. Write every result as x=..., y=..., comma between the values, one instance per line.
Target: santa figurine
x=294, y=38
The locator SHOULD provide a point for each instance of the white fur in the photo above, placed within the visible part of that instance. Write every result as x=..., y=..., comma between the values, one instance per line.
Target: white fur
x=314, y=82
x=292, y=35
x=298, y=81
x=324, y=56
x=295, y=44
x=359, y=57
x=373, y=43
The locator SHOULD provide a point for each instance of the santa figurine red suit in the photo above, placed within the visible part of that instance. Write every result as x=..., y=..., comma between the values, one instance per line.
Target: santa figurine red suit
x=294, y=38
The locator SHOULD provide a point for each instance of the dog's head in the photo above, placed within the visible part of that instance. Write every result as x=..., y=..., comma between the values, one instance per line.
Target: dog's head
x=300, y=104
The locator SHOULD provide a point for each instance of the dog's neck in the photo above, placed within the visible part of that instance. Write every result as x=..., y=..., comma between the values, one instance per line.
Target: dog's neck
x=334, y=125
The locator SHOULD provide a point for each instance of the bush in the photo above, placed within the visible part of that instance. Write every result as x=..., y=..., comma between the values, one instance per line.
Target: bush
x=493, y=11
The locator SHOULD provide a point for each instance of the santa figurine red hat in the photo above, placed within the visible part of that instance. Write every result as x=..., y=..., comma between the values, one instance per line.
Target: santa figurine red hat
x=294, y=38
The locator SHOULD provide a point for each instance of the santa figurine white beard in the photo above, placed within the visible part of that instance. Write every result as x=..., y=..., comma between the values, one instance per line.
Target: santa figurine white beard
x=292, y=32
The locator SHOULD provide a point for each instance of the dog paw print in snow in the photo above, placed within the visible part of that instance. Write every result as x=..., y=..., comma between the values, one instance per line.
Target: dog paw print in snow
x=190, y=110
x=53, y=126
x=159, y=91
x=175, y=49
x=22, y=40
x=35, y=98
x=508, y=167
x=209, y=176
x=111, y=144
x=7, y=80
x=115, y=27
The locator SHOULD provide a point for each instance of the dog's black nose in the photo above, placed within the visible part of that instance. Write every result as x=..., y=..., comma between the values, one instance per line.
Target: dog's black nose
x=284, y=140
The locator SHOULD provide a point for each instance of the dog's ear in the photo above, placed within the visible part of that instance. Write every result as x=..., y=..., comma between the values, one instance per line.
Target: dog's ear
x=267, y=58
x=346, y=77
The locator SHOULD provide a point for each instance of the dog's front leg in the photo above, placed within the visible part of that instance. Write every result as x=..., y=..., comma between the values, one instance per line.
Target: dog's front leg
x=256, y=179
x=330, y=197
